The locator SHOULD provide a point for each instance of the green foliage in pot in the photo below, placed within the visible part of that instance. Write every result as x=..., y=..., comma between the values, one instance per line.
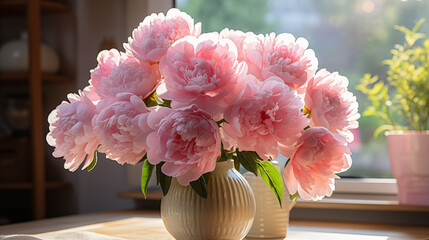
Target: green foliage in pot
x=402, y=100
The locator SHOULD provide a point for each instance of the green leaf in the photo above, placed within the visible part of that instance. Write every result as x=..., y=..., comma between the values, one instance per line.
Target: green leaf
x=146, y=175
x=151, y=102
x=162, y=179
x=287, y=162
x=377, y=88
x=200, y=185
x=236, y=162
x=248, y=160
x=294, y=197
x=371, y=112
x=383, y=128
x=94, y=161
x=207, y=177
x=229, y=155
x=272, y=178
x=223, y=156
x=165, y=103
x=418, y=24
x=404, y=30
x=411, y=36
x=220, y=122
x=158, y=172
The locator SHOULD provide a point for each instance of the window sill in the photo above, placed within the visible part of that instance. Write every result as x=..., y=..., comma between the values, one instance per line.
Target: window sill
x=370, y=202
x=376, y=202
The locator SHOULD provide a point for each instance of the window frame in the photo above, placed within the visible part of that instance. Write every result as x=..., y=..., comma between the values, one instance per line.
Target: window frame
x=378, y=186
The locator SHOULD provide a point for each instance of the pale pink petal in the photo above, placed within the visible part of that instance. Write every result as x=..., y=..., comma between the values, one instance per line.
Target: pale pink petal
x=267, y=115
x=282, y=56
x=151, y=39
x=123, y=74
x=117, y=127
x=318, y=155
x=203, y=71
x=71, y=132
x=331, y=104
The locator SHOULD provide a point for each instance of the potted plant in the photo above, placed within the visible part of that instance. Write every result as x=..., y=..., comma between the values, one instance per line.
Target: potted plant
x=402, y=102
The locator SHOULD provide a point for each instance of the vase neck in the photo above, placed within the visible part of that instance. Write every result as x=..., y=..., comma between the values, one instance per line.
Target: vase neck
x=224, y=165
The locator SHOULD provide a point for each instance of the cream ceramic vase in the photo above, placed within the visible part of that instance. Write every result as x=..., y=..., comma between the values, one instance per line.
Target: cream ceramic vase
x=271, y=221
x=227, y=213
x=409, y=161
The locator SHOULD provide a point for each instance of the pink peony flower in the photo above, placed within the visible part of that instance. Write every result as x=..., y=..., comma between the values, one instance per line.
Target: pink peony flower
x=318, y=155
x=107, y=60
x=238, y=38
x=281, y=56
x=90, y=93
x=117, y=73
x=267, y=115
x=203, y=71
x=71, y=131
x=157, y=32
x=186, y=139
x=117, y=125
x=331, y=105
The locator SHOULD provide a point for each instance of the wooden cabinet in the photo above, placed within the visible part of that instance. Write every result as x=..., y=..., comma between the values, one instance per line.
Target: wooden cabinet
x=32, y=11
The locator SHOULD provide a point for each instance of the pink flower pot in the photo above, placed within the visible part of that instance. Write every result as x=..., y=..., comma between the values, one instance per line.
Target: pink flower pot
x=409, y=159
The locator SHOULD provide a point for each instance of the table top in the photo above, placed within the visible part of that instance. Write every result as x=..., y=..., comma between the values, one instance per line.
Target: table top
x=140, y=224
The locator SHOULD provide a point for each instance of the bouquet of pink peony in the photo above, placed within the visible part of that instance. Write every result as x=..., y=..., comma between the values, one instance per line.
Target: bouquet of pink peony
x=181, y=101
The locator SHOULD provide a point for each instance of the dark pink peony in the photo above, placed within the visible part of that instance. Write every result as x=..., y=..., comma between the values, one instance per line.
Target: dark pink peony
x=187, y=140
x=318, y=156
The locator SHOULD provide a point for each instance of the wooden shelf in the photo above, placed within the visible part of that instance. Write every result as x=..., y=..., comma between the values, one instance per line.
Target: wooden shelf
x=32, y=11
x=10, y=7
x=23, y=77
x=29, y=186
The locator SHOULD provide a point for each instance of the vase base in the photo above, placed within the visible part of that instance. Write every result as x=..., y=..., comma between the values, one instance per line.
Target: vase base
x=413, y=190
x=263, y=237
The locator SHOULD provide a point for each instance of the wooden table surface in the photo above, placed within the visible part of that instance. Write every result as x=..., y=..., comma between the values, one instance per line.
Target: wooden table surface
x=148, y=225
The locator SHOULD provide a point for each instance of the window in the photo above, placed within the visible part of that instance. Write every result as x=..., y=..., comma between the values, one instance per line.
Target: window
x=351, y=37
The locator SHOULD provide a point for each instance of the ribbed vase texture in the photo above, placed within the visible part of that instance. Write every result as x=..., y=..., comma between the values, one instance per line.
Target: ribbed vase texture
x=227, y=212
x=271, y=221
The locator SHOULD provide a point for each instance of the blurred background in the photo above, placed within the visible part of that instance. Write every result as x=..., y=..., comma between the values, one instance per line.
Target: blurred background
x=351, y=37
